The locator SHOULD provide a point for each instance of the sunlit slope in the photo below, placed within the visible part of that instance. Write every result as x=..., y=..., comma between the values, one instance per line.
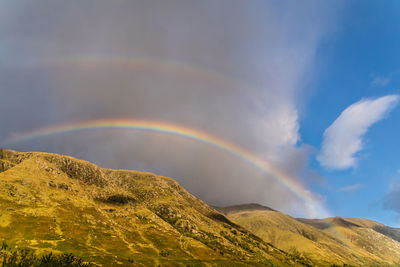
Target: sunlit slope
x=62, y=204
x=368, y=239
x=326, y=242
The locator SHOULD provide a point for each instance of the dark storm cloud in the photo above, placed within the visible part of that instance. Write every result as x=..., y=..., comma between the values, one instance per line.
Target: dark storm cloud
x=260, y=54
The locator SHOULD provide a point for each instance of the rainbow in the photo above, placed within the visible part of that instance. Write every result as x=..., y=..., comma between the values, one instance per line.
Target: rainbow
x=313, y=208
x=132, y=63
x=137, y=63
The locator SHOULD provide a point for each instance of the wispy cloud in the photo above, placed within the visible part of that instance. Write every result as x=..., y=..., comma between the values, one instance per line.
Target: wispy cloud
x=350, y=188
x=383, y=80
x=380, y=81
x=343, y=139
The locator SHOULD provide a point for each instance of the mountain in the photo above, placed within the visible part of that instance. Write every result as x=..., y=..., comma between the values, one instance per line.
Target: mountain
x=50, y=202
x=358, y=242
x=59, y=204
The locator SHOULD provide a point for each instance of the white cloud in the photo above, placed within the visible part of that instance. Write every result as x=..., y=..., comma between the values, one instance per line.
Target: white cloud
x=343, y=139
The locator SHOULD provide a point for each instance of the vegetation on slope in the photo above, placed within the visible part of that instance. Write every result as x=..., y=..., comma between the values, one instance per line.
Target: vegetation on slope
x=23, y=257
x=52, y=206
x=364, y=237
x=330, y=241
x=53, y=203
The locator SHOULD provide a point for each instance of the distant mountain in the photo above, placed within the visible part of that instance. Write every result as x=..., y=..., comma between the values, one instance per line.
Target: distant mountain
x=358, y=242
x=56, y=203
x=242, y=207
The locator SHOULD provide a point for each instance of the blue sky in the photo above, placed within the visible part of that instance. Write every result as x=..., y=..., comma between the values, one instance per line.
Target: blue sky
x=272, y=77
x=365, y=49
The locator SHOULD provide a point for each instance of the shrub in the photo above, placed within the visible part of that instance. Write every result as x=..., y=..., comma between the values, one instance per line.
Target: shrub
x=23, y=257
x=164, y=253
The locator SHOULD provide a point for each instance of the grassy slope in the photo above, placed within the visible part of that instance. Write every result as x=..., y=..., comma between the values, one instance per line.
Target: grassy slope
x=350, y=241
x=56, y=203
x=364, y=238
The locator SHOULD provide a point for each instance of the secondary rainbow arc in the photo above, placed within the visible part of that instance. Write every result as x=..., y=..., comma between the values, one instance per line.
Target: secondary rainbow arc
x=143, y=63
x=173, y=129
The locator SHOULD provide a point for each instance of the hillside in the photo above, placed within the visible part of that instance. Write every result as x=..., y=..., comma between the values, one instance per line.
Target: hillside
x=358, y=242
x=56, y=203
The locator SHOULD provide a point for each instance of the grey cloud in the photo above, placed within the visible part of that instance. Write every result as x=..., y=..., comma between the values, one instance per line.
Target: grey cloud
x=392, y=198
x=260, y=54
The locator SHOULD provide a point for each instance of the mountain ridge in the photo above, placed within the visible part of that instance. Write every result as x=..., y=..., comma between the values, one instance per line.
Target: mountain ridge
x=333, y=240
x=60, y=204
